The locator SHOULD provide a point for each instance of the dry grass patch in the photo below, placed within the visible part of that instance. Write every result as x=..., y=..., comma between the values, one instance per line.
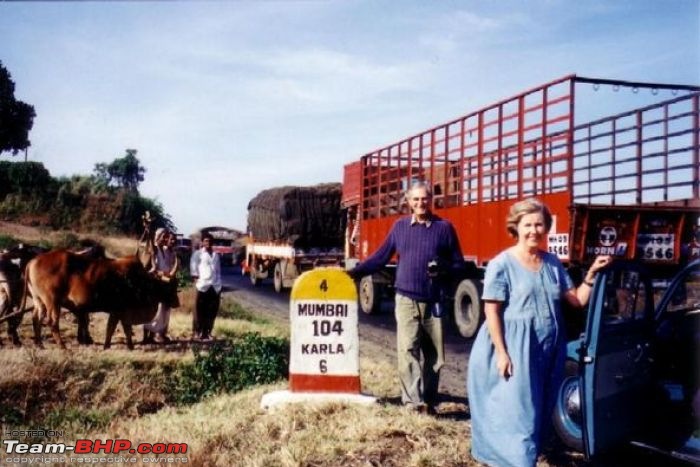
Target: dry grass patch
x=233, y=430
x=114, y=245
x=81, y=389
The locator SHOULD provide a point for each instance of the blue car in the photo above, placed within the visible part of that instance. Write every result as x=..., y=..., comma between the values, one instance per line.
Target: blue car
x=633, y=373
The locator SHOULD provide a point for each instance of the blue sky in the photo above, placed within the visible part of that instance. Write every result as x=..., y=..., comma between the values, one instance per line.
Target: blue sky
x=225, y=99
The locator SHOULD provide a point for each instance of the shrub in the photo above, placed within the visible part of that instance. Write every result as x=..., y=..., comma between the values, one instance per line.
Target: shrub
x=67, y=240
x=233, y=310
x=231, y=366
x=7, y=242
x=75, y=418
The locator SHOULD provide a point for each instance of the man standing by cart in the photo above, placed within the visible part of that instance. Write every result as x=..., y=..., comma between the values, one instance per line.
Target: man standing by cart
x=427, y=248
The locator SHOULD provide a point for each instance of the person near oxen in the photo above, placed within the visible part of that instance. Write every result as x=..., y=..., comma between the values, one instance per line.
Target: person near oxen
x=516, y=364
x=10, y=294
x=421, y=242
x=165, y=266
x=205, y=269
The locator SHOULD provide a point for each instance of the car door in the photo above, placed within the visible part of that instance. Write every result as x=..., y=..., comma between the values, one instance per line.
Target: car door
x=617, y=365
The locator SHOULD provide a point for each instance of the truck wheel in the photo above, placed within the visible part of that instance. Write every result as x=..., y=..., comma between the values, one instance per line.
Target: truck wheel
x=253, y=273
x=467, y=308
x=370, y=295
x=277, y=277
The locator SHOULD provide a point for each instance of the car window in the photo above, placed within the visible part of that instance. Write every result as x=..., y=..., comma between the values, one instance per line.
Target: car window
x=686, y=296
x=625, y=297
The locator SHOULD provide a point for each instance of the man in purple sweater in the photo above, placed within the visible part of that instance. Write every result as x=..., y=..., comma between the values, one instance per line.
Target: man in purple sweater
x=418, y=240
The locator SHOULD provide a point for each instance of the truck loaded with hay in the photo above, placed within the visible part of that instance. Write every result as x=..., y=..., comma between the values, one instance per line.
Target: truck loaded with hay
x=293, y=229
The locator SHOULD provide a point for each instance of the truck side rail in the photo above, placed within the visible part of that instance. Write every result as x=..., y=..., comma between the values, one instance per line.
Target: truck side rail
x=530, y=145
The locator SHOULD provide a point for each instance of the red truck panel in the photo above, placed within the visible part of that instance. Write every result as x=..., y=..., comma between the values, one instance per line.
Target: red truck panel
x=352, y=184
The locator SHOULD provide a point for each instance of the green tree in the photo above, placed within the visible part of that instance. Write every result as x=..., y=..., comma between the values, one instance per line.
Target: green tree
x=16, y=117
x=125, y=172
x=134, y=206
x=23, y=178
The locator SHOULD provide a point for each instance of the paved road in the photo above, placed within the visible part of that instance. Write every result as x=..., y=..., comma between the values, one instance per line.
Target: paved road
x=379, y=328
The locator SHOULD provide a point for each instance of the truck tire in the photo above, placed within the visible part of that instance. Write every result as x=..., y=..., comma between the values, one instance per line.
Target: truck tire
x=277, y=277
x=254, y=278
x=370, y=294
x=253, y=273
x=467, y=308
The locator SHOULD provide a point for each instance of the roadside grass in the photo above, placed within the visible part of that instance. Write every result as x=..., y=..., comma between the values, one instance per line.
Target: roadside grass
x=233, y=430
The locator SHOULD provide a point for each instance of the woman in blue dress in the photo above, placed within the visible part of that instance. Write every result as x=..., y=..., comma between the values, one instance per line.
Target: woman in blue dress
x=517, y=361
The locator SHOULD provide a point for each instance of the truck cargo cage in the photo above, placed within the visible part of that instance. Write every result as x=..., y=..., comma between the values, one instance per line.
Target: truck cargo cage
x=532, y=145
x=608, y=157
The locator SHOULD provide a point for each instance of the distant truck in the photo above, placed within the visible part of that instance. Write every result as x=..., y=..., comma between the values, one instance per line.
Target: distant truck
x=292, y=229
x=625, y=183
x=225, y=242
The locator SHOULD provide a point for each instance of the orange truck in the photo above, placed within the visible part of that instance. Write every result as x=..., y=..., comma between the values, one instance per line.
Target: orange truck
x=617, y=162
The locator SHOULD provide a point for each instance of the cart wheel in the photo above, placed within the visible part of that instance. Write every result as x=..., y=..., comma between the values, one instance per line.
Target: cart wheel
x=467, y=308
x=370, y=295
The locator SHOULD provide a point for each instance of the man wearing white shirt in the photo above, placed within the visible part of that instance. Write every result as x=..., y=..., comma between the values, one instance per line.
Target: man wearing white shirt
x=205, y=269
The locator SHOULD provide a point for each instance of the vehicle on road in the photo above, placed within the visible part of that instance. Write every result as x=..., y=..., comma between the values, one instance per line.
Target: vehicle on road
x=634, y=371
x=615, y=161
x=293, y=229
x=183, y=248
x=225, y=242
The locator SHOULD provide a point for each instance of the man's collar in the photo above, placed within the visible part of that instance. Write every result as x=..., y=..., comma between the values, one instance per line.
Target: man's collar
x=427, y=223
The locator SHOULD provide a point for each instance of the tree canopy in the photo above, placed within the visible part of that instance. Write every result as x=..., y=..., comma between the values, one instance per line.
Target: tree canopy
x=29, y=194
x=125, y=172
x=16, y=117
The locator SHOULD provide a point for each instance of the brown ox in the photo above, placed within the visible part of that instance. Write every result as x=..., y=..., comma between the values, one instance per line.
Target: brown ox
x=82, y=284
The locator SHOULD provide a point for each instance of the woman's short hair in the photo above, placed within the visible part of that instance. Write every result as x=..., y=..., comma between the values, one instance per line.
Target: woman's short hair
x=527, y=206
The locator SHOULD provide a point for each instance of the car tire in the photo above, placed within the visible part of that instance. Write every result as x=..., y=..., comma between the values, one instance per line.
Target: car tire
x=567, y=414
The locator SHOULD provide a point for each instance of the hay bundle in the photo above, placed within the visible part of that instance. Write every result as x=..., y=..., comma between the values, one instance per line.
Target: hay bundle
x=304, y=217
